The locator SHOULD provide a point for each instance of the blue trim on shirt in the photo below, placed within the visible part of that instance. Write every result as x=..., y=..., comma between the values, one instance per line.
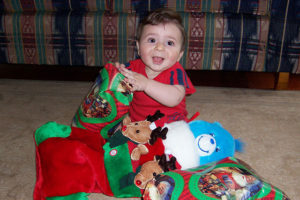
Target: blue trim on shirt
x=172, y=78
x=127, y=64
x=186, y=82
x=180, y=77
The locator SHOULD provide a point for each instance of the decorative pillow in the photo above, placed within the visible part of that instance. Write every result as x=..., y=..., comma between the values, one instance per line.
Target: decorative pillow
x=229, y=178
x=106, y=103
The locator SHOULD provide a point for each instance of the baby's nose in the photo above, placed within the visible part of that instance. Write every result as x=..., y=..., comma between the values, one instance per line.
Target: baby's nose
x=159, y=46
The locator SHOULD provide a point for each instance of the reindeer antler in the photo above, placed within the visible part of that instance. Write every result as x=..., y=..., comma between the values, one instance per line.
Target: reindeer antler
x=156, y=116
x=164, y=164
x=158, y=133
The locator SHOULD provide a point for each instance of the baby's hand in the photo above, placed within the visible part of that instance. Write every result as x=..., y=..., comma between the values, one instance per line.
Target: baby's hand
x=120, y=67
x=138, y=81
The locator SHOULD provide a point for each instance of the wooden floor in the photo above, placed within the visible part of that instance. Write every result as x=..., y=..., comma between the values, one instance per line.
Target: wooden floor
x=257, y=80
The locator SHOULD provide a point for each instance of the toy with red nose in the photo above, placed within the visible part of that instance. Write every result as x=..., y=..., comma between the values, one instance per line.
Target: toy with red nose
x=199, y=142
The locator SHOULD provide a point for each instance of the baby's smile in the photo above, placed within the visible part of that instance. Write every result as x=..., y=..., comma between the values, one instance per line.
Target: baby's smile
x=157, y=60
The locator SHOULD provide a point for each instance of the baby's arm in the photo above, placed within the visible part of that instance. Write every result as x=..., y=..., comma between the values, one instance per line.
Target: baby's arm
x=168, y=95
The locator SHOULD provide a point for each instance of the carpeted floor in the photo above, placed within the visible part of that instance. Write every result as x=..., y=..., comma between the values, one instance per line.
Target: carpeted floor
x=268, y=122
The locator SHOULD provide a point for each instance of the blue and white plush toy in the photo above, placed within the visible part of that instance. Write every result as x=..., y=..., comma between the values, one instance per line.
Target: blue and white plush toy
x=199, y=142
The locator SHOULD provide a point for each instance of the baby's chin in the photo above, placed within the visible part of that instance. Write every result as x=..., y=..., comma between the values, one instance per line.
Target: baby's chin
x=153, y=71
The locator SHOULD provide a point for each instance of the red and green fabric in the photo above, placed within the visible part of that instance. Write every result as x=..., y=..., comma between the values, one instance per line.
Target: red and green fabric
x=73, y=162
x=226, y=179
x=106, y=103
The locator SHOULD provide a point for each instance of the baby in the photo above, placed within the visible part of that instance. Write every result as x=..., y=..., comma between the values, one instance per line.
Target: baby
x=158, y=80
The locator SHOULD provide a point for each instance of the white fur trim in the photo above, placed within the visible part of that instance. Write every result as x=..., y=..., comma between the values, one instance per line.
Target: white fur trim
x=180, y=143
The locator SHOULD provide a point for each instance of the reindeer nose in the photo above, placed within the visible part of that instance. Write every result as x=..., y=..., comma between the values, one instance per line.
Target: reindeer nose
x=124, y=128
x=138, y=182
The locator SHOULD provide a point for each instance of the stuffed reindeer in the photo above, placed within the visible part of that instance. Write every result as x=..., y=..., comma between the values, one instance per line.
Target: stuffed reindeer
x=151, y=169
x=148, y=171
x=141, y=134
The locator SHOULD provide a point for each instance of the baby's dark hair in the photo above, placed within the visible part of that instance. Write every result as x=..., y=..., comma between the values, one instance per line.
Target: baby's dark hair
x=163, y=16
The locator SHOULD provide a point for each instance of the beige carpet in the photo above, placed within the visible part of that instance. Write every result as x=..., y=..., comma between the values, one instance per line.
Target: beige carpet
x=268, y=121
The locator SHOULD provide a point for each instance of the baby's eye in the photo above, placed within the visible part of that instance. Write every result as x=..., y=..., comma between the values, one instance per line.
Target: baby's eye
x=151, y=40
x=171, y=43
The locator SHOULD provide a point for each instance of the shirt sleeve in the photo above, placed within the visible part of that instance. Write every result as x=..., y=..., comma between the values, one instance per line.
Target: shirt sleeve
x=133, y=65
x=178, y=76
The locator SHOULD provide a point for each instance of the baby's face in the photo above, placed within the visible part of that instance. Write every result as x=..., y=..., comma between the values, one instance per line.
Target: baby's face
x=160, y=47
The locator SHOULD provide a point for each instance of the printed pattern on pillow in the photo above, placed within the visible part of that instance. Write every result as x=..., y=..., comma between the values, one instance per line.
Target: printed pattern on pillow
x=106, y=104
x=226, y=179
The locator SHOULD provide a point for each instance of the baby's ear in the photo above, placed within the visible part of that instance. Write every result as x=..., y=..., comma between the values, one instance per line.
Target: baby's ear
x=180, y=56
x=126, y=120
x=137, y=47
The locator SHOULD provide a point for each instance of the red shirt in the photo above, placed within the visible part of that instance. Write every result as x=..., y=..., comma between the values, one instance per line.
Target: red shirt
x=142, y=105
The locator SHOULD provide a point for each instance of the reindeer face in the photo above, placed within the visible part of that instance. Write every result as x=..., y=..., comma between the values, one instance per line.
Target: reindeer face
x=139, y=132
x=148, y=171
